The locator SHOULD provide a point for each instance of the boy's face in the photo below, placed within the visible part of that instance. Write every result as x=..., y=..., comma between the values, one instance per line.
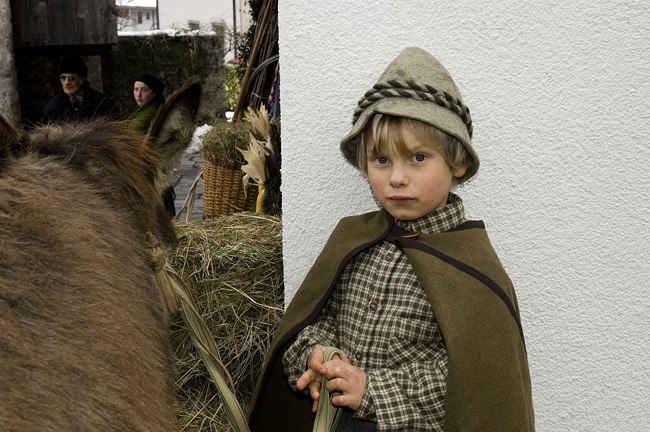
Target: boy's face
x=410, y=185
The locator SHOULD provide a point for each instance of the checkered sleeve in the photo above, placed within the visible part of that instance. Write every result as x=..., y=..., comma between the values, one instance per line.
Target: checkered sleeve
x=418, y=389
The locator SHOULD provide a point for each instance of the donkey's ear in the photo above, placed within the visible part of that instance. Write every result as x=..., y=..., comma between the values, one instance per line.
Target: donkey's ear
x=172, y=128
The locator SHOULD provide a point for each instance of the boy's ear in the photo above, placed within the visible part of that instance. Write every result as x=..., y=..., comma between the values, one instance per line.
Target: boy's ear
x=459, y=172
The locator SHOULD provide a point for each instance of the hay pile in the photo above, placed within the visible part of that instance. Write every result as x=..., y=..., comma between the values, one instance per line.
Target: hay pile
x=224, y=139
x=232, y=266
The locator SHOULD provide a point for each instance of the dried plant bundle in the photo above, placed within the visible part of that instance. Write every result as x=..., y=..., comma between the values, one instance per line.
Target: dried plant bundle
x=232, y=266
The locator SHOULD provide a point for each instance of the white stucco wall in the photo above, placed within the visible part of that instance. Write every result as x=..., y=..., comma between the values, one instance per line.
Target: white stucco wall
x=559, y=96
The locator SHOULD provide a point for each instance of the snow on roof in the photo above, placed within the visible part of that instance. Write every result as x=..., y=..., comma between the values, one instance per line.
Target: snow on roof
x=168, y=32
x=136, y=3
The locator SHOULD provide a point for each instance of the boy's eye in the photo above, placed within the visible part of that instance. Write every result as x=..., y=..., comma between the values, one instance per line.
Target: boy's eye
x=419, y=157
x=381, y=160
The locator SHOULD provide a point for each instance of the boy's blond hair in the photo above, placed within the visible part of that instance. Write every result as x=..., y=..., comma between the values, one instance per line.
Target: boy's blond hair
x=385, y=132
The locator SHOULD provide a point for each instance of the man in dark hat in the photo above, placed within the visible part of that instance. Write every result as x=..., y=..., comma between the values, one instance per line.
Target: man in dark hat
x=77, y=100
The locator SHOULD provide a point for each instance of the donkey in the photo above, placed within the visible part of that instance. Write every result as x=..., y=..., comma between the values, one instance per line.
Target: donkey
x=84, y=336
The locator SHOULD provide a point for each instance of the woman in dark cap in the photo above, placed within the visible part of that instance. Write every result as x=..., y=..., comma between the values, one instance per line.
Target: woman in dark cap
x=148, y=94
x=77, y=100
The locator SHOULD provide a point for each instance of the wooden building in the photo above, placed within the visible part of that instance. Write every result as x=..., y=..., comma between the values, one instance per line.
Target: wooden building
x=46, y=30
x=55, y=23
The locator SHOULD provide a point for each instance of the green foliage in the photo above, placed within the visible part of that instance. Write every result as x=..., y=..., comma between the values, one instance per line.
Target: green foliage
x=232, y=84
x=245, y=43
x=235, y=75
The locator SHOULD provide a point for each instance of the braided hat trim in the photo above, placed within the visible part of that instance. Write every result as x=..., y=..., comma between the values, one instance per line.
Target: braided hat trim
x=410, y=89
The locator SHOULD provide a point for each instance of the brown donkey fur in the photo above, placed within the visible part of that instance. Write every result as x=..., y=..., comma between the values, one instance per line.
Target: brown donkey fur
x=84, y=336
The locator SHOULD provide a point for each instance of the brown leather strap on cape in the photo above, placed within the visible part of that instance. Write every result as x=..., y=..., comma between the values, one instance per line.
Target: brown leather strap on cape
x=405, y=239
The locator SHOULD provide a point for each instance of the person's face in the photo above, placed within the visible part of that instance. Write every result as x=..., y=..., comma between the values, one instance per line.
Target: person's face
x=71, y=83
x=142, y=93
x=410, y=185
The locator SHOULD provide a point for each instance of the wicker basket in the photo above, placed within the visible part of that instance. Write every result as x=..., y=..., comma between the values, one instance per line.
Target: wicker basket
x=223, y=190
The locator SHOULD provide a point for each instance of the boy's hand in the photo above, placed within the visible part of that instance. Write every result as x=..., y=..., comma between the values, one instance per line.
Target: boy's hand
x=349, y=381
x=312, y=378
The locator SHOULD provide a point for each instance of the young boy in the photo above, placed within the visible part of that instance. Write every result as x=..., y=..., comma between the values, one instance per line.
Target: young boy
x=413, y=295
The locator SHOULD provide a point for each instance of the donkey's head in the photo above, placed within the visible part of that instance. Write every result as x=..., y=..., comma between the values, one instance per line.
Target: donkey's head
x=128, y=171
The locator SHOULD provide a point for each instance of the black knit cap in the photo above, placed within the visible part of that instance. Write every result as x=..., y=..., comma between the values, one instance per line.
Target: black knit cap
x=152, y=82
x=73, y=64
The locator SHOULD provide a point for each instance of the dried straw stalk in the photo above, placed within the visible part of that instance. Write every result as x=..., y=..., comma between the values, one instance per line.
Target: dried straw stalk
x=232, y=266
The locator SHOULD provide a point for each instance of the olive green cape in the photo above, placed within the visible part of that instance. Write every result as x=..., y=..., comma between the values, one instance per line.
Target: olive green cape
x=140, y=119
x=488, y=386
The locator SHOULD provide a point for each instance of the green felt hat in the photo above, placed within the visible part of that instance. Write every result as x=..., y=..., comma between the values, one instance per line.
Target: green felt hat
x=414, y=85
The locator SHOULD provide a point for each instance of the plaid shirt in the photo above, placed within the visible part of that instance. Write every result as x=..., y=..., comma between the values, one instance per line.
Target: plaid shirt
x=380, y=316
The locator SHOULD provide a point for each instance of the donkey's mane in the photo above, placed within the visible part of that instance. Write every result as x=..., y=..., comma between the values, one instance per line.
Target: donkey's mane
x=123, y=169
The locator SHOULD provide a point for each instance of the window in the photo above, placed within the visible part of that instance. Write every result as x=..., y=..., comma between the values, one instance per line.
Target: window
x=139, y=17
